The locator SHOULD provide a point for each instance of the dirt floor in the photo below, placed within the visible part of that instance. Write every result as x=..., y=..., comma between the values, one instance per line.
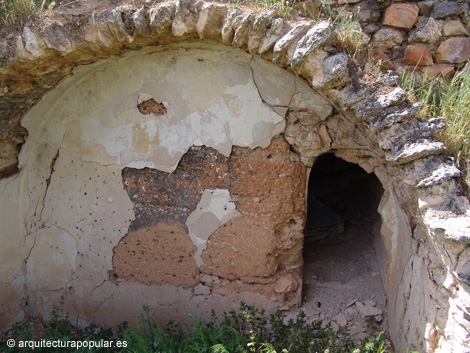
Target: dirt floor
x=342, y=284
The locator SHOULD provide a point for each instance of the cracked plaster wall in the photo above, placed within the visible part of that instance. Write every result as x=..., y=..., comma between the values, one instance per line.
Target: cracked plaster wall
x=72, y=209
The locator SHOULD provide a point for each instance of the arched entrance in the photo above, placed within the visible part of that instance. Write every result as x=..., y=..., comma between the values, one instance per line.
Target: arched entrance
x=342, y=278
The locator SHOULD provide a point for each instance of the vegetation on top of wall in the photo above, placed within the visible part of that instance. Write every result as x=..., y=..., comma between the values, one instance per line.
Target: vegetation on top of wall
x=15, y=12
x=451, y=100
x=246, y=330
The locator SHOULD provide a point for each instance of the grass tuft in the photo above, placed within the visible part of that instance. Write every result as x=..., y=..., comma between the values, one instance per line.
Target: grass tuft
x=16, y=12
x=441, y=98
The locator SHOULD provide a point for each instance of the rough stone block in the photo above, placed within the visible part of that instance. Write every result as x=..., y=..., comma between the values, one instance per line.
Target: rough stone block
x=413, y=151
x=317, y=36
x=455, y=28
x=272, y=36
x=292, y=37
x=334, y=72
x=387, y=38
x=453, y=51
x=210, y=22
x=428, y=31
x=434, y=71
x=417, y=55
x=402, y=16
x=448, y=8
x=260, y=27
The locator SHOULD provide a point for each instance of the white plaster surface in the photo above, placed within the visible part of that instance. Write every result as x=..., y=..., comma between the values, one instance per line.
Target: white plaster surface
x=210, y=97
x=215, y=208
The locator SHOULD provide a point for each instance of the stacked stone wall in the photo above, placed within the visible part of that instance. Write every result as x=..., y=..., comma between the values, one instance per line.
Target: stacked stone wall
x=417, y=36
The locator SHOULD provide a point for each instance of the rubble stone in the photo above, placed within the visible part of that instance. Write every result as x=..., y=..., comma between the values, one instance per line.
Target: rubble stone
x=402, y=16
x=453, y=50
x=417, y=55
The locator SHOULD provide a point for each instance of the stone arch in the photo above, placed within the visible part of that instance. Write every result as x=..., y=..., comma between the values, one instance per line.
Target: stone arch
x=376, y=120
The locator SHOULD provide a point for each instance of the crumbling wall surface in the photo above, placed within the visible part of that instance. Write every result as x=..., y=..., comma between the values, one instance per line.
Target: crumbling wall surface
x=99, y=210
x=174, y=175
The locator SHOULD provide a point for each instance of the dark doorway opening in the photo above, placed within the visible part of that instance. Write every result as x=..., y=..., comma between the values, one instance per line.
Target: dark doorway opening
x=342, y=282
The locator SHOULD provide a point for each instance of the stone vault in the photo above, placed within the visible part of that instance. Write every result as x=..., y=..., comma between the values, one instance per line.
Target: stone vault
x=173, y=174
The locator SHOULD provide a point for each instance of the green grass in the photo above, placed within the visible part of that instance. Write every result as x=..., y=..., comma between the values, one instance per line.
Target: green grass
x=440, y=98
x=247, y=330
x=17, y=12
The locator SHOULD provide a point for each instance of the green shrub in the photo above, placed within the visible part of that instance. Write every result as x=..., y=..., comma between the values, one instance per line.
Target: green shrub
x=244, y=331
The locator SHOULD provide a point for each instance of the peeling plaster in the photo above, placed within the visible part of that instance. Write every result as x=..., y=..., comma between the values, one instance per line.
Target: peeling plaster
x=215, y=208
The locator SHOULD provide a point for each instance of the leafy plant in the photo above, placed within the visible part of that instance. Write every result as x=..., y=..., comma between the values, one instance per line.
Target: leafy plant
x=247, y=330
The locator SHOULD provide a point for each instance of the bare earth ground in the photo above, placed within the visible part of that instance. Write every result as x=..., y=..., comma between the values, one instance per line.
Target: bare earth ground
x=342, y=284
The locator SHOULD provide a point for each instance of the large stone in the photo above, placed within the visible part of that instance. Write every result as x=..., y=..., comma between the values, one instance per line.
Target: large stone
x=317, y=36
x=228, y=29
x=412, y=151
x=186, y=17
x=272, y=36
x=387, y=38
x=141, y=21
x=292, y=37
x=444, y=227
x=425, y=7
x=455, y=28
x=453, y=50
x=448, y=8
x=373, y=105
x=367, y=11
x=402, y=16
x=434, y=71
x=210, y=22
x=334, y=72
x=442, y=173
x=417, y=55
x=260, y=27
x=240, y=37
x=161, y=18
x=428, y=31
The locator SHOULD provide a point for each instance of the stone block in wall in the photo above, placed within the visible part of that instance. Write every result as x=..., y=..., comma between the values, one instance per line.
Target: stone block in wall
x=417, y=55
x=428, y=30
x=425, y=7
x=449, y=8
x=387, y=38
x=434, y=71
x=367, y=11
x=453, y=51
x=455, y=28
x=402, y=16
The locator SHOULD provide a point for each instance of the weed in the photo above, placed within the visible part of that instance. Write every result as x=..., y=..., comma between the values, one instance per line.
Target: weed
x=247, y=330
x=16, y=11
x=438, y=97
